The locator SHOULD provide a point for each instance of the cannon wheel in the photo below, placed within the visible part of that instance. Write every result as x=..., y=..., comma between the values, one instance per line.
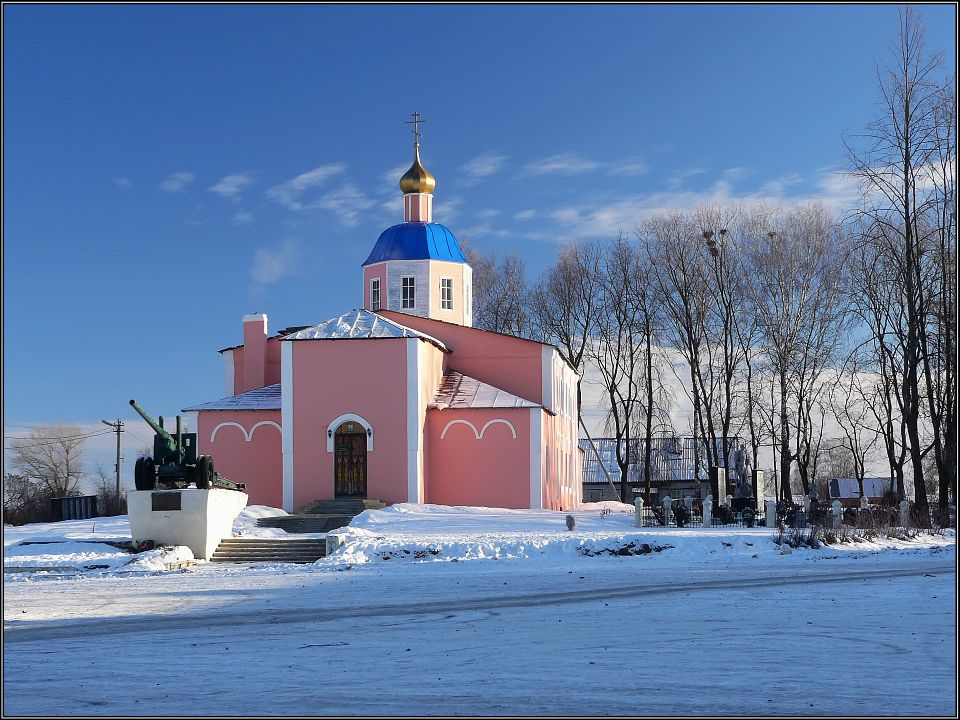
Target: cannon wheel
x=204, y=472
x=144, y=476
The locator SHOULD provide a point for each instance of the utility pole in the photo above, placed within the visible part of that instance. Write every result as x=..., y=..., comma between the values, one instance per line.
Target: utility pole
x=118, y=428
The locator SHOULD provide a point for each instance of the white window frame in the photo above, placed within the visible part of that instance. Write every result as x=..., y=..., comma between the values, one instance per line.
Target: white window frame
x=446, y=293
x=375, y=297
x=408, y=300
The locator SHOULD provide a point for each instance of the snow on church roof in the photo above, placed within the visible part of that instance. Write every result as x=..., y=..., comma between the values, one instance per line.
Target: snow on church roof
x=360, y=324
x=461, y=391
x=265, y=398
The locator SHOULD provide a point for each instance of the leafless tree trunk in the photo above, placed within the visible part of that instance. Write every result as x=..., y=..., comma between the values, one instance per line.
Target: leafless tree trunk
x=894, y=161
x=566, y=304
x=796, y=295
x=52, y=457
x=674, y=244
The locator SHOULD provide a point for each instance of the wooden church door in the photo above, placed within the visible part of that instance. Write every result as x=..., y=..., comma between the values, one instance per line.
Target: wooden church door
x=350, y=460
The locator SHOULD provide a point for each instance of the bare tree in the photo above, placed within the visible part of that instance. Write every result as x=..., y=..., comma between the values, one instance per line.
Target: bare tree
x=623, y=351
x=674, y=245
x=796, y=295
x=500, y=302
x=566, y=304
x=903, y=205
x=52, y=457
x=847, y=399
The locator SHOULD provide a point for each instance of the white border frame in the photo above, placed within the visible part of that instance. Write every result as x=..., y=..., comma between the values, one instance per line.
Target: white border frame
x=349, y=417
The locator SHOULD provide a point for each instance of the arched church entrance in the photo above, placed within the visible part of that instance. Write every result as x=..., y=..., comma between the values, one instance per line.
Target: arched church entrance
x=350, y=460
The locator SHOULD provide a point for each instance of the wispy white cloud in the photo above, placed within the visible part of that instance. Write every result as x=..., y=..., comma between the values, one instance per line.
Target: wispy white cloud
x=230, y=186
x=678, y=178
x=122, y=182
x=473, y=171
x=487, y=214
x=391, y=178
x=346, y=203
x=562, y=164
x=836, y=190
x=630, y=167
x=525, y=215
x=177, y=182
x=271, y=264
x=242, y=218
x=447, y=210
x=289, y=193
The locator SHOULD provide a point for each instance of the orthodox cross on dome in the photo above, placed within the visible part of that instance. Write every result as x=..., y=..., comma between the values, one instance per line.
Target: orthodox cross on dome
x=416, y=126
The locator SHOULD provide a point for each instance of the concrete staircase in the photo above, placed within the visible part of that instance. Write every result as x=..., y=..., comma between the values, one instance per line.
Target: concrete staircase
x=321, y=516
x=277, y=550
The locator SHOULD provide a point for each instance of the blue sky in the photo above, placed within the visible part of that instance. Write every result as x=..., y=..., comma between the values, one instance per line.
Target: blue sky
x=168, y=169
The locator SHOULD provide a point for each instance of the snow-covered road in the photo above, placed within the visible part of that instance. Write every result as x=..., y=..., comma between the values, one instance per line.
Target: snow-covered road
x=603, y=636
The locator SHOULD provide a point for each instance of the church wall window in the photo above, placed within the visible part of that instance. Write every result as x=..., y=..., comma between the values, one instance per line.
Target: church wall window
x=408, y=294
x=375, y=294
x=446, y=293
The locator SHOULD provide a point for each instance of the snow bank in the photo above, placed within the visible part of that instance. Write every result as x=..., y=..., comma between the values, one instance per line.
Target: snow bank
x=437, y=533
x=246, y=523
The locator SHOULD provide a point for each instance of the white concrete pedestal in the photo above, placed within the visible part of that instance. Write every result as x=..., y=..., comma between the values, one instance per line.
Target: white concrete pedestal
x=204, y=519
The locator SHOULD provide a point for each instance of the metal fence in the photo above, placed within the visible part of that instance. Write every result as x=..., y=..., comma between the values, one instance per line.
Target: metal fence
x=81, y=507
x=693, y=517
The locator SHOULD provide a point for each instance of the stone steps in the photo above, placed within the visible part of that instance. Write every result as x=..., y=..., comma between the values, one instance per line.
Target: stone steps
x=303, y=550
x=321, y=516
x=307, y=523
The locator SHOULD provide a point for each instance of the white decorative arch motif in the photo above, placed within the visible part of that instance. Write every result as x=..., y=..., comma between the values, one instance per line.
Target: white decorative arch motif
x=349, y=417
x=271, y=423
x=460, y=422
x=213, y=435
x=248, y=436
x=513, y=430
x=479, y=433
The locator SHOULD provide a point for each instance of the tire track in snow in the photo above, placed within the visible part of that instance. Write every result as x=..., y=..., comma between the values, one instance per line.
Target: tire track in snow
x=147, y=624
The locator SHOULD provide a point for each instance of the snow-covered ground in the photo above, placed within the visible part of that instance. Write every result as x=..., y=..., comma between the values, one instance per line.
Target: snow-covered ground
x=438, y=610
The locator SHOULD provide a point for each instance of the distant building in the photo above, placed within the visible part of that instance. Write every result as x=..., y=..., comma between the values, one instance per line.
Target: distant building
x=672, y=461
x=847, y=490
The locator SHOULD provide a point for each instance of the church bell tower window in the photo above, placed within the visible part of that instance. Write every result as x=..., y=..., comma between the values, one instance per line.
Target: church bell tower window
x=446, y=293
x=408, y=297
x=375, y=294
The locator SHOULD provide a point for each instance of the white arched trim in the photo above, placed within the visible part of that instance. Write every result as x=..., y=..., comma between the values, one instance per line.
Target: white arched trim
x=513, y=430
x=460, y=422
x=248, y=436
x=271, y=423
x=213, y=435
x=349, y=417
x=479, y=433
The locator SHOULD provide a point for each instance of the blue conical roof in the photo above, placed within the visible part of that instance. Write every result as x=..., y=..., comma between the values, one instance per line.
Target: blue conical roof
x=416, y=241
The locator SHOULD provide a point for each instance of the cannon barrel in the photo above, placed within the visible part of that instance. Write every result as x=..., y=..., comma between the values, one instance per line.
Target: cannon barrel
x=168, y=438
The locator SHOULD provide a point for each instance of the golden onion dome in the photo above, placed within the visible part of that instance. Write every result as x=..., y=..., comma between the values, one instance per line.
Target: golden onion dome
x=417, y=179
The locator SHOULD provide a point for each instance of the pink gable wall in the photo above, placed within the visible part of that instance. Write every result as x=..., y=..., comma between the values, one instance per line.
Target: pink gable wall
x=493, y=471
x=335, y=377
x=257, y=462
x=505, y=362
x=379, y=270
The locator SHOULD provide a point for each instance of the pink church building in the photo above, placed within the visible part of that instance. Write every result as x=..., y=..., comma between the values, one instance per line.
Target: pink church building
x=401, y=400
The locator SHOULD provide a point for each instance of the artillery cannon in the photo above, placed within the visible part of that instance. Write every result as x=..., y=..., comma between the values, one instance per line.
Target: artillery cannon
x=175, y=462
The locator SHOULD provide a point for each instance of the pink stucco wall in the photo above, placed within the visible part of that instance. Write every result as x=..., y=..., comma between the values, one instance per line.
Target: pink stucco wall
x=493, y=471
x=257, y=462
x=369, y=273
x=335, y=377
x=505, y=362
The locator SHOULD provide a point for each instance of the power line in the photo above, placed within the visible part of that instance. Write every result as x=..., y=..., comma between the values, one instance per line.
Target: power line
x=44, y=438
x=56, y=440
